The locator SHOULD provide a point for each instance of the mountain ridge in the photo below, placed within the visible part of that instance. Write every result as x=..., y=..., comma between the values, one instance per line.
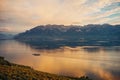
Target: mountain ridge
x=80, y=35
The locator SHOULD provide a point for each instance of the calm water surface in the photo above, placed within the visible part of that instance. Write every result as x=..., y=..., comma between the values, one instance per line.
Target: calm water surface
x=99, y=63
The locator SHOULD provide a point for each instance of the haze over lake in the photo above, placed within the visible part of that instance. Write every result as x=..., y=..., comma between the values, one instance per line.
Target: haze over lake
x=97, y=62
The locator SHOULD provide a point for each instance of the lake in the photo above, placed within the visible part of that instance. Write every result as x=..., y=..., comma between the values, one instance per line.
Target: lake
x=96, y=62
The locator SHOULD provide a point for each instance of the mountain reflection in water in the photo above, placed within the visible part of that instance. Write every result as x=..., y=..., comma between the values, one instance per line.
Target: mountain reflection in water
x=97, y=62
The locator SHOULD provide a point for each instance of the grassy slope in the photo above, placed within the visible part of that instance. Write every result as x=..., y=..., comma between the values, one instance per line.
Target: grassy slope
x=10, y=71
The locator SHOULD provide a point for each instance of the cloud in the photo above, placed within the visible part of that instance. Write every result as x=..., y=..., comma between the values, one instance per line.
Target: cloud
x=111, y=6
x=5, y=29
x=23, y=14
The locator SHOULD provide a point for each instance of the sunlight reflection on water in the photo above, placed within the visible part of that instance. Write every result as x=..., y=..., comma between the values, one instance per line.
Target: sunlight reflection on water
x=99, y=63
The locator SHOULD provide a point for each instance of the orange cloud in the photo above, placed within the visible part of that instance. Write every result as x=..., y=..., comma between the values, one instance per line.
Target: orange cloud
x=21, y=13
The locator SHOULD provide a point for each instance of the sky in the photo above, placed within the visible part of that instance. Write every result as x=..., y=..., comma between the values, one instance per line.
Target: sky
x=21, y=15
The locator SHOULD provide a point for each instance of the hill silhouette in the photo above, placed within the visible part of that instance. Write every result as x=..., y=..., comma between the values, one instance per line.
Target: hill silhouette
x=50, y=36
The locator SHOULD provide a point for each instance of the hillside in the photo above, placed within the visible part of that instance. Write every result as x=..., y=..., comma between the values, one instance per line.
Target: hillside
x=4, y=36
x=88, y=35
x=10, y=71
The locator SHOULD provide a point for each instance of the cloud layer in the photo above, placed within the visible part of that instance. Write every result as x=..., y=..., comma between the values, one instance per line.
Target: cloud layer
x=19, y=15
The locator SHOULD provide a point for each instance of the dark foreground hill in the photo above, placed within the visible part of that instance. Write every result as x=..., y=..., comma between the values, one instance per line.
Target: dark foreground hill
x=10, y=71
x=60, y=35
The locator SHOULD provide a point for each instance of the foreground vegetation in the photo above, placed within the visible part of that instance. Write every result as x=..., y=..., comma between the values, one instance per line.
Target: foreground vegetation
x=10, y=71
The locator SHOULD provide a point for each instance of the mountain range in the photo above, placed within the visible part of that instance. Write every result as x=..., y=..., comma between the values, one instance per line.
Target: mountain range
x=72, y=35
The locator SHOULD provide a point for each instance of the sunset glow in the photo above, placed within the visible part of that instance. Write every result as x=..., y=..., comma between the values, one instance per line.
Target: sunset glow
x=20, y=15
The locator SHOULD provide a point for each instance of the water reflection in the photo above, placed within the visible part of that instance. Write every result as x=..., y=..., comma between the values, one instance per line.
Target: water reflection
x=102, y=64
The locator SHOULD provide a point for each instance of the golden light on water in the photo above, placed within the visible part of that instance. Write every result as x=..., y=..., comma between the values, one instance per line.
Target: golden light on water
x=79, y=61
